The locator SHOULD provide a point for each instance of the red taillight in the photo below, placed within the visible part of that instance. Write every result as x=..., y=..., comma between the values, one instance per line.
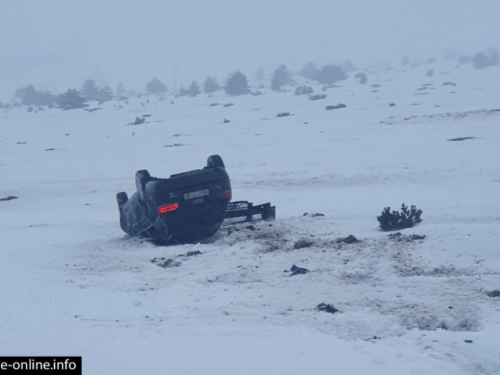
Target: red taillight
x=226, y=194
x=169, y=207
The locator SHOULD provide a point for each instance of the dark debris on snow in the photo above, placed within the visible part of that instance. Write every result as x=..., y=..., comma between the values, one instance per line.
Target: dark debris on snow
x=348, y=240
x=165, y=263
x=326, y=307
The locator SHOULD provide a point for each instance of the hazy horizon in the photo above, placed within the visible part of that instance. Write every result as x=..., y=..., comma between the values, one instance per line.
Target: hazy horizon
x=56, y=44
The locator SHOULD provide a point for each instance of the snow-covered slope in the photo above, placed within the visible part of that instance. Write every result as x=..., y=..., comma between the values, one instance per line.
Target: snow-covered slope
x=71, y=283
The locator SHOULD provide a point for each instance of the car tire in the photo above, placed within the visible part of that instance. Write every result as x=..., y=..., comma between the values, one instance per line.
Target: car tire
x=141, y=179
x=121, y=199
x=215, y=161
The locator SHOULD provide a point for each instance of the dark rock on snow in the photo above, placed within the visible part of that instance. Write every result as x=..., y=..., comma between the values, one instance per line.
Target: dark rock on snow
x=298, y=270
x=460, y=139
x=9, y=198
x=495, y=293
x=338, y=106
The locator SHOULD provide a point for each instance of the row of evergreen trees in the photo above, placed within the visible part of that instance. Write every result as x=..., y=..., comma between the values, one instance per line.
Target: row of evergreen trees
x=156, y=87
x=72, y=98
x=30, y=96
x=236, y=84
x=91, y=92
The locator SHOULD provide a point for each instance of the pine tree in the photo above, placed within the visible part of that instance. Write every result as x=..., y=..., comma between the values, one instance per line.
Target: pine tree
x=483, y=60
x=309, y=71
x=395, y=220
x=120, y=90
x=281, y=77
x=260, y=74
x=210, y=85
x=71, y=99
x=45, y=98
x=105, y=94
x=348, y=66
x=194, y=89
x=237, y=84
x=330, y=74
x=30, y=96
x=27, y=95
x=89, y=90
x=155, y=87
x=362, y=78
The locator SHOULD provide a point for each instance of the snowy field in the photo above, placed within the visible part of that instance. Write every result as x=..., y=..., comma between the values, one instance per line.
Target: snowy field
x=73, y=284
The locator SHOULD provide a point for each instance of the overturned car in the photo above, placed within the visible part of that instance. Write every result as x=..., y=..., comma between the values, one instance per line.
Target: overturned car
x=185, y=207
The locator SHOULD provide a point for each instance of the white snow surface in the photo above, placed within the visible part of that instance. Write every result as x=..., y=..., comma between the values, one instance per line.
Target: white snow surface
x=71, y=282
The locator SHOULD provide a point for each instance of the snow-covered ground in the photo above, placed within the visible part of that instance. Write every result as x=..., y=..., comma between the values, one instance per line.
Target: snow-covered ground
x=71, y=283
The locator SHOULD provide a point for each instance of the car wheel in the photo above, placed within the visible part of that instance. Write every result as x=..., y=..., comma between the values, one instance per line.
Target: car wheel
x=141, y=179
x=121, y=199
x=215, y=161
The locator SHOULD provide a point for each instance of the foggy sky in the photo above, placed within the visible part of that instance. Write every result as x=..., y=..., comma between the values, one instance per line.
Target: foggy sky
x=55, y=44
